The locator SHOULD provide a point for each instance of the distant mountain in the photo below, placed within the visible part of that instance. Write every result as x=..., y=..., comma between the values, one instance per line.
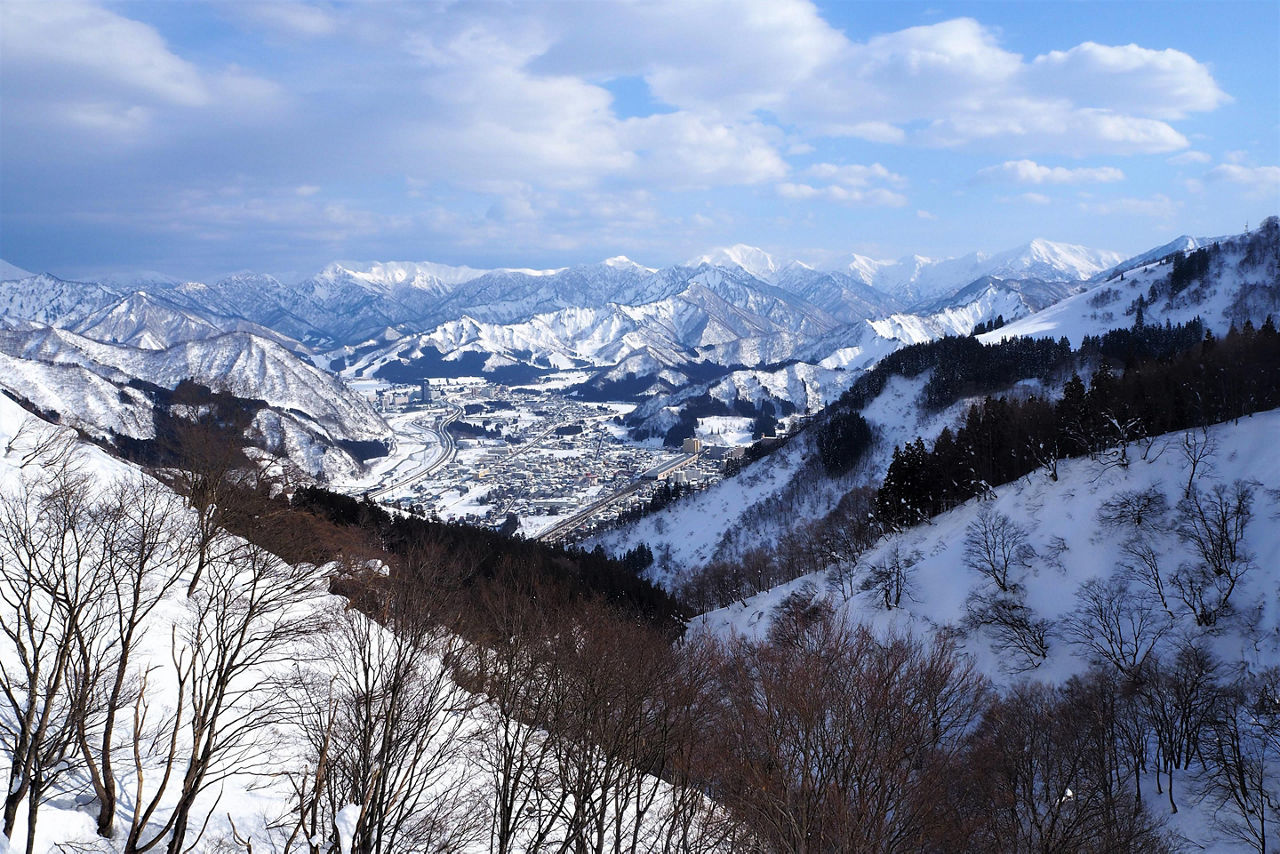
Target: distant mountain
x=755, y=261
x=918, y=280
x=9, y=271
x=638, y=332
x=99, y=388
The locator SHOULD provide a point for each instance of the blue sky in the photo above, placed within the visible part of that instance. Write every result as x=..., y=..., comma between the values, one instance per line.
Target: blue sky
x=200, y=138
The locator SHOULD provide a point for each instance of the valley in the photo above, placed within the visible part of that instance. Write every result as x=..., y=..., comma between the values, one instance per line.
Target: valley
x=529, y=459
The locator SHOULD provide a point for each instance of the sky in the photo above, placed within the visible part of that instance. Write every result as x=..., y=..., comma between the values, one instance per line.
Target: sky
x=197, y=139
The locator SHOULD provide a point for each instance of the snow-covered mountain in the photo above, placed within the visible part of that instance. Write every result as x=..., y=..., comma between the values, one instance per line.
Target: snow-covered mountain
x=98, y=387
x=734, y=308
x=1241, y=282
x=918, y=280
x=755, y=261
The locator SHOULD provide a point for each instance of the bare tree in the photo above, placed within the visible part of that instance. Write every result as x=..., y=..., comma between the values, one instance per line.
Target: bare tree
x=1115, y=624
x=995, y=546
x=1179, y=695
x=1043, y=775
x=383, y=721
x=1213, y=524
x=49, y=589
x=1135, y=510
x=1241, y=778
x=1015, y=631
x=144, y=552
x=834, y=739
x=890, y=577
x=1198, y=448
x=247, y=614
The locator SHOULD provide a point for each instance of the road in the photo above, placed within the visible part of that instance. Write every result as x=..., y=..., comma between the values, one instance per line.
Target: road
x=449, y=450
x=564, y=526
x=559, y=529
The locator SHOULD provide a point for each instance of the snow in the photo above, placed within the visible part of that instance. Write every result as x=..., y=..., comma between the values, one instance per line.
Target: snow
x=1067, y=509
x=752, y=259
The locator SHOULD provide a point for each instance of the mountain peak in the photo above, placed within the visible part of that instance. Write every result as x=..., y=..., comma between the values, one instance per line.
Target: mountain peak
x=622, y=262
x=753, y=259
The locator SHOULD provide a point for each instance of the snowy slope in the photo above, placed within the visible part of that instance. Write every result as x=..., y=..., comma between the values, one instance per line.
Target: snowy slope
x=141, y=320
x=1244, y=284
x=288, y=657
x=1071, y=548
x=87, y=383
x=752, y=259
x=48, y=299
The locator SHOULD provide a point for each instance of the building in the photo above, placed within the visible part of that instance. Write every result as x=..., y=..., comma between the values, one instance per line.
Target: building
x=692, y=446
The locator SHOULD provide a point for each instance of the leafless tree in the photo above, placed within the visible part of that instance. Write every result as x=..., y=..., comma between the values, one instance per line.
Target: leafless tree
x=383, y=721
x=1115, y=624
x=1241, y=778
x=144, y=552
x=1135, y=510
x=1043, y=775
x=1016, y=633
x=1213, y=524
x=49, y=590
x=890, y=577
x=1179, y=694
x=1198, y=449
x=996, y=546
x=248, y=613
x=833, y=739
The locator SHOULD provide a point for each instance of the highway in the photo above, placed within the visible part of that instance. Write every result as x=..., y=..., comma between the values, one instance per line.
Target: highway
x=449, y=450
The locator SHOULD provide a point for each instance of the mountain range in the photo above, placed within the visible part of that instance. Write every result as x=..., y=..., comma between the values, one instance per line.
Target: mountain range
x=734, y=324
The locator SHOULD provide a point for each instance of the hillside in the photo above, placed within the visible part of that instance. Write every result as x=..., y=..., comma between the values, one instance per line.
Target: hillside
x=1079, y=576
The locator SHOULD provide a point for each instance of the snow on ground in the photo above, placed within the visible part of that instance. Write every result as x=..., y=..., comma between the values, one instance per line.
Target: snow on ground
x=1060, y=519
x=725, y=430
x=242, y=807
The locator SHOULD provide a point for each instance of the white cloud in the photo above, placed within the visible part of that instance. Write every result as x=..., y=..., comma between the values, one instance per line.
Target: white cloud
x=922, y=214
x=956, y=79
x=1258, y=181
x=855, y=175
x=86, y=68
x=94, y=47
x=1161, y=84
x=1188, y=158
x=290, y=17
x=1030, y=172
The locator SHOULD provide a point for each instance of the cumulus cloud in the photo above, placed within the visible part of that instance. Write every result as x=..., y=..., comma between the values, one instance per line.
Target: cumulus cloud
x=957, y=79
x=79, y=67
x=1030, y=172
x=515, y=110
x=1162, y=84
